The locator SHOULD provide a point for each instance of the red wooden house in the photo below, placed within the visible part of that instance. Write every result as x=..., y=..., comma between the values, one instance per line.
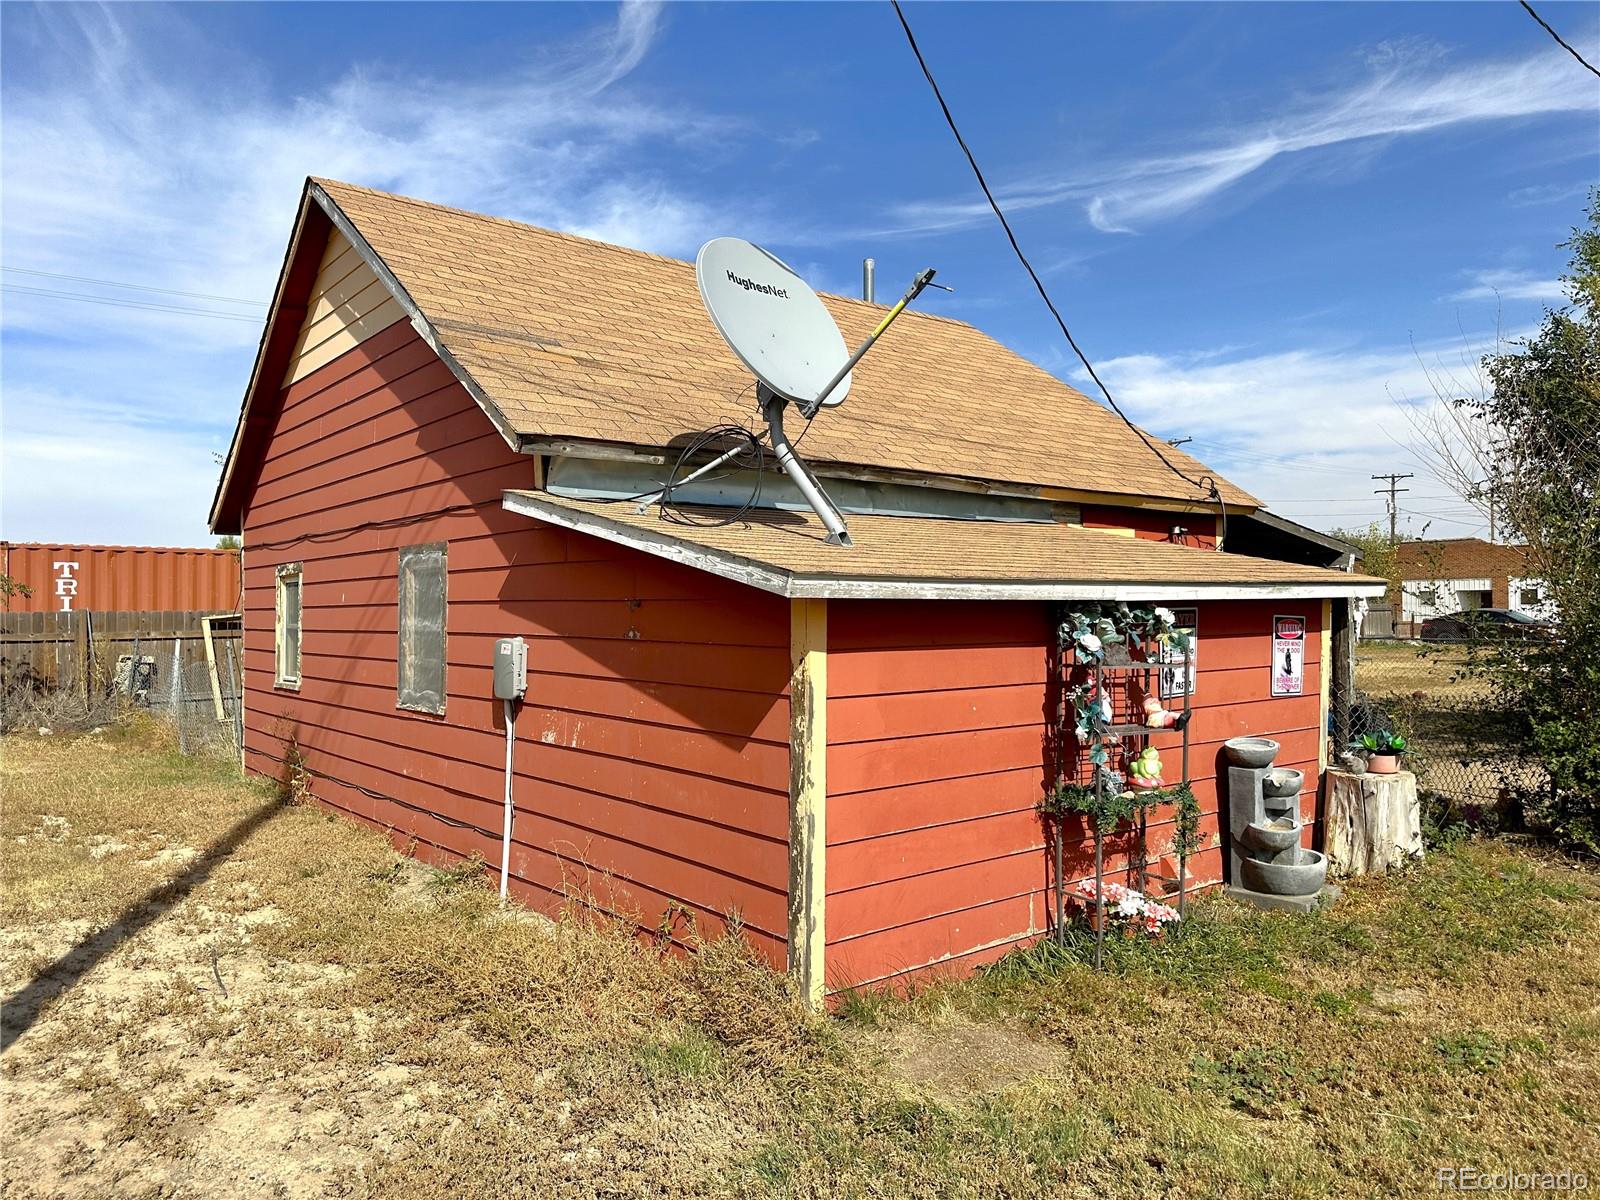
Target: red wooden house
x=843, y=745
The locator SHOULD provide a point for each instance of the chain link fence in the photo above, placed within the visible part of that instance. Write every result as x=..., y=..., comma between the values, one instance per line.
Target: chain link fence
x=204, y=710
x=1465, y=748
x=74, y=672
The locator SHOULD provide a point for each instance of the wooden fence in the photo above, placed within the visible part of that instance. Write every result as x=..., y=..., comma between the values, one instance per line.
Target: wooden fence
x=168, y=660
x=1378, y=622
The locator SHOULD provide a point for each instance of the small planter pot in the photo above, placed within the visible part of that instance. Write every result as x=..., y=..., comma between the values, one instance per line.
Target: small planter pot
x=1383, y=764
x=1093, y=918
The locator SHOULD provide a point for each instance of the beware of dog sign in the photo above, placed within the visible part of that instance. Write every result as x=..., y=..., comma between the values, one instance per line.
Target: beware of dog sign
x=1288, y=656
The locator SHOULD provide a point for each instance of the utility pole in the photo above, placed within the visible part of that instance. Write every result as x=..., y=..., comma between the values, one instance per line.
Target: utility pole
x=1393, y=491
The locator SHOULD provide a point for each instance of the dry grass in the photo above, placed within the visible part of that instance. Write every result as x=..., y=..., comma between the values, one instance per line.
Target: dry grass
x=1464, y=745
x=290, y=1009
x=24, y=706
x=1437, y=669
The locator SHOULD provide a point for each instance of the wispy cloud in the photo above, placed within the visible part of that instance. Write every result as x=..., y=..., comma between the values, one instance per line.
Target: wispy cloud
x=1406, y=92
x=1546, y=193
x=114, y=169
x=1509, y=285
x=1304, y=428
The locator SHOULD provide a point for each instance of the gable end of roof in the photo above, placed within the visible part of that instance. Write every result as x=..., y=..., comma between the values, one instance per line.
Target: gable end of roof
x=319, y=215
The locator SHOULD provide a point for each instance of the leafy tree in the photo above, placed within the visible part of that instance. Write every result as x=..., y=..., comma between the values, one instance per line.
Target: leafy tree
x=228, y=542
x=10, y=587
x=1544, y=404
x=1378, y=555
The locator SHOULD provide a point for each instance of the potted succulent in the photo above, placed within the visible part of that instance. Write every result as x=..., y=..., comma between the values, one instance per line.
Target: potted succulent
x=1383, y=750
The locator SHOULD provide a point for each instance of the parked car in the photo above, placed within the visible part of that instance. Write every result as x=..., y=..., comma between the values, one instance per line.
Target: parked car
x=1483, y=623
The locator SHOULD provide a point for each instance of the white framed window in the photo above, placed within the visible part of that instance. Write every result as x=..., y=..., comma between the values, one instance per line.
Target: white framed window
x=286, y=627
x=421, y=668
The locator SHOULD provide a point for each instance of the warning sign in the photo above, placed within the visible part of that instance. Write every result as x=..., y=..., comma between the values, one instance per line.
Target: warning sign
x=1288, y=656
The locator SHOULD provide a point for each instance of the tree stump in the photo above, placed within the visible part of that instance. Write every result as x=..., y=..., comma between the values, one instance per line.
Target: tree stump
x=1373, y=822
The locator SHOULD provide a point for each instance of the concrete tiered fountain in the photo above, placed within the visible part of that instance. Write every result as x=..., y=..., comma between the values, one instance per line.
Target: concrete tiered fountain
x=1267, y=865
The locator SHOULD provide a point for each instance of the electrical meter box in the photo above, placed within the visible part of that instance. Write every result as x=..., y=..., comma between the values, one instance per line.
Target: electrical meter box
x=510, y=668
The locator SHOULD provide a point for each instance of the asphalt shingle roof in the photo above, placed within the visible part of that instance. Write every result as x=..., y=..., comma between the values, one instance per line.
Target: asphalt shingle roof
x=572, y=338
x=927, y=549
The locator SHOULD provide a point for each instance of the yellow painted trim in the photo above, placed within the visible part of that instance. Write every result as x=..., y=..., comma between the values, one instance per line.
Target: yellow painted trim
x=347, y=305
x=1119, y=530
x=1327, y=682
x=348, y=337
x=808, y=795
x=1126, y=500
x=211, y=669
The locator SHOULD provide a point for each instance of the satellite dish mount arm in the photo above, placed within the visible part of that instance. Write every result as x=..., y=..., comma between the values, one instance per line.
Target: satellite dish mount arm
x=772, y=406
x=923, y=279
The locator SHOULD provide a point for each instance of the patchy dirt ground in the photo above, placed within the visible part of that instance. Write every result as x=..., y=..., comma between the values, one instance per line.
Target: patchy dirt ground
x=211, y=994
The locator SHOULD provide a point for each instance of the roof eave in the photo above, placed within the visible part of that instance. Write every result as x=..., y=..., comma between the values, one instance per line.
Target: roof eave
x=1304, y=532
x=424, y=327
x=798, y=585
x=227, y=518
x=828, y=468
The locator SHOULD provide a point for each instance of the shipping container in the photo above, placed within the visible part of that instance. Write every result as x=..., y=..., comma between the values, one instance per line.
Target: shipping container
x=121, y=578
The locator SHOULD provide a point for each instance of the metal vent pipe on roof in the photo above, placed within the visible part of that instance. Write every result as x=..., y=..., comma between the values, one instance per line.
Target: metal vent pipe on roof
x=869, y=274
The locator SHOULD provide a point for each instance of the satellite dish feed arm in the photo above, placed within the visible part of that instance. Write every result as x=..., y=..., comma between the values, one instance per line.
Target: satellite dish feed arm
x=923, y=279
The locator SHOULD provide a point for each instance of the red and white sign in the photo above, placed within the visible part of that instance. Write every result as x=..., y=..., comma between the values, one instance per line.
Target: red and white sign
x=1288, y=656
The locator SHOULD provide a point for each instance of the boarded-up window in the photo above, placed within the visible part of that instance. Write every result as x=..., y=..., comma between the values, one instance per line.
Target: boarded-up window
x=422, y=610
x=286, y=627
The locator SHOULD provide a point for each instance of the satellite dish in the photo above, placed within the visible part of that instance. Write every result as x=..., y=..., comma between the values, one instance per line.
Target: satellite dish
x=772, y=320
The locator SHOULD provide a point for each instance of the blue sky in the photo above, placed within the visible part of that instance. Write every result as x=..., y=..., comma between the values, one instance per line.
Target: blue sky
x=1269, y=224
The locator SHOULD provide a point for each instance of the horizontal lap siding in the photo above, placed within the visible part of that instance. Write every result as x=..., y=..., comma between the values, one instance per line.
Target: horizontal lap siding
x=937, y=729
x=652, y=753
x=1199, y=529
x=935, y=726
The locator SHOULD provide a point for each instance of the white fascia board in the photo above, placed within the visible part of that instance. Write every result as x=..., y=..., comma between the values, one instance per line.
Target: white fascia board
x=840, y=588
x=844, y=587
x=729, y=566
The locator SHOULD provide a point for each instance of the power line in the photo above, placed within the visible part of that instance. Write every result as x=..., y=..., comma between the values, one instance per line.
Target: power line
x=138, y=287
x=1209, y=484
x=1465, y=518
x=114, y=302
x=1358, y=500
x=1429, y=517
x=1224, y=450
x=1562, y=42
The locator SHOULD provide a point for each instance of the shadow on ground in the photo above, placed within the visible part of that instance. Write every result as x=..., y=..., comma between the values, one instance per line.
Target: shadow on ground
x=22, y=1008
